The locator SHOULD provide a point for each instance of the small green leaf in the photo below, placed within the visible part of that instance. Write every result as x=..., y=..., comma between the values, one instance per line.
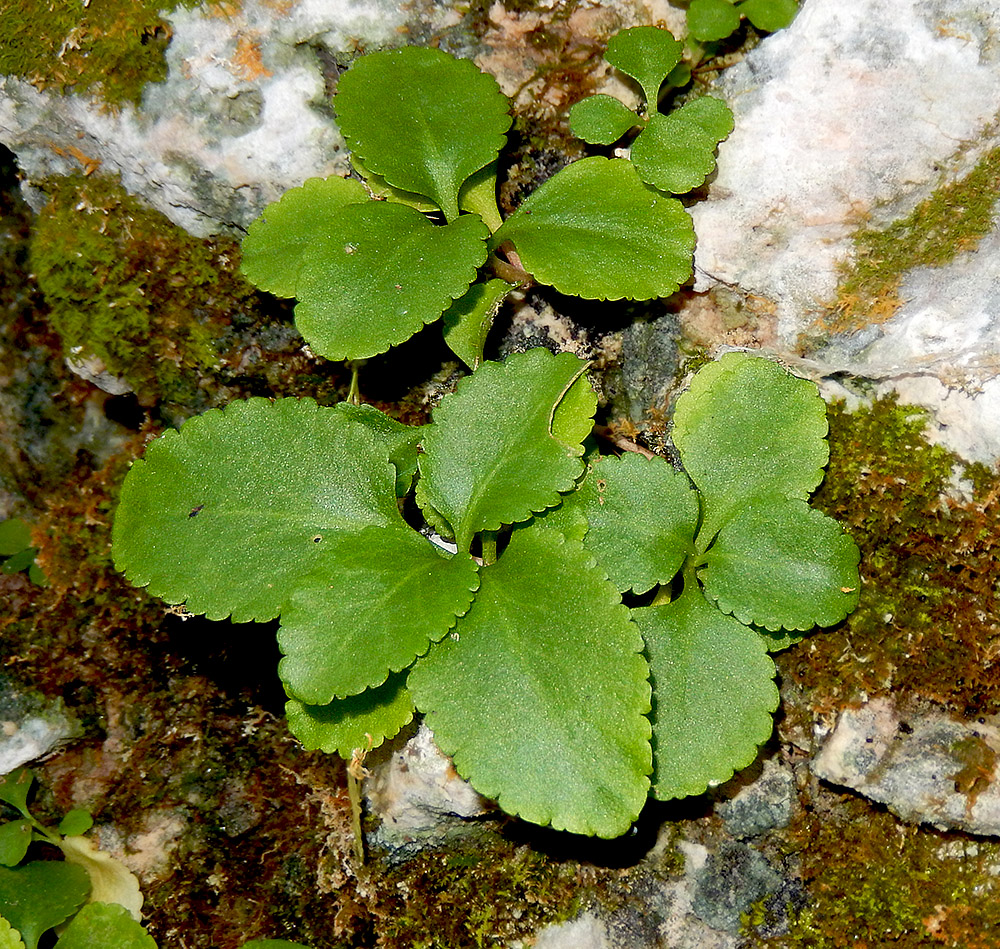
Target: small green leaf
x=490, y=457
x=745, y=427
x=769, y=15
x=359, y=721
x=22, y=560
x=422, y=119
x=15, y=536
x=41, y=894
x=230, y=511
x=710, y=20
x=642, y=515
x=75, y=822
x=378, y=273
x=381, y=188
x=37, y=576
x=567, y=518
x=103, y=925
x=478, y=194
x=14, y=788
x=400, y=440
x=647, y=54
x=467, y=322
x=374, y=601
x=573, y=416
x=779, y=563
x=595, y=230
x=15, y=836
x=601, y=119
x=713, y=693
x=541, y=694
x=10, y=938
x=276, y=241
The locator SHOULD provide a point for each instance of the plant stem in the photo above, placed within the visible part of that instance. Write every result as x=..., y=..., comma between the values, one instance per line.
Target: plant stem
x=354, y=393
x=488, y=539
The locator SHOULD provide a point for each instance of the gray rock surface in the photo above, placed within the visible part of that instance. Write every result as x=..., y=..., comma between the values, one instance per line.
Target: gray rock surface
x=762, y=806
x=31, y=727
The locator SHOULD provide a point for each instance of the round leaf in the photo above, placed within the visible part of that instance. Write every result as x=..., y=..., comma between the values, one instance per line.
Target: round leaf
x=782, y=564
x=769, y=15
x=491, y=458
x=15, y=536
x=15, y=836
x=374, y=601
x=710, y=20
x=713, y=694
x=276, y=241
x=76, y=822
x=745, y=427
x=541, y=694
x=14, y=788
x=230, y=511
x=647, y=54
x=601, y=119
x=595, y=230
x=41, y=894
x=378, y=273
x=104, y=924
x=422, y=119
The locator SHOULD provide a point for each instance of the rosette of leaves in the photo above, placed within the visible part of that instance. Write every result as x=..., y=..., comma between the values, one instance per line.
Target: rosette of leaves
x=371, y=263
x=713, y=20
x=674, y=152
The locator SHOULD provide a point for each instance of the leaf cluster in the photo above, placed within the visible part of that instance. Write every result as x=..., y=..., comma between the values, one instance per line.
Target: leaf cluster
x=17, y=552
x=712, y=20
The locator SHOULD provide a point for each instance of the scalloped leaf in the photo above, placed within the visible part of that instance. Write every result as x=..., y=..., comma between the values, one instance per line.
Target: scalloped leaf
x=595, y=230
x=400, y=440
x=713, y=693
x=374, y=602
x=782, y=564
x=110, y=880
x=104, y=925
x=276, y=241
x=359, y=721
x=744, y=428
x=769, y=15
x=41, y=894
x=10, y=938
x=229, y=512
x=642, y=515
x=601, y=119
x=648, y=55
x=710, y=20
x=490, y=458
x=379, y=273
x=540, y=695
x=573, y=415
x=468, y=321
x=676, y=152
x=422, y=119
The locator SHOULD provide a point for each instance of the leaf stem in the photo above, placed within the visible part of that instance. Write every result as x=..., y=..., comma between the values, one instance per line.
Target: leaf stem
x=354, y=393
x=488, y=540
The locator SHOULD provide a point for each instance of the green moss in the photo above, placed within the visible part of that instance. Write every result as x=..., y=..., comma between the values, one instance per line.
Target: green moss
x=79, y=47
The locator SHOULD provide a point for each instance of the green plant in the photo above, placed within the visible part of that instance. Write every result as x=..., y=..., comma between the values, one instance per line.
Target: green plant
x=17, y=552
x=712, y=20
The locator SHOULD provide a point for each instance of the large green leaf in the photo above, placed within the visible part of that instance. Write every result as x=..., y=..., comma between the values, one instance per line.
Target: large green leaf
x=647, y=54
x=745, y=427
x=378, y=273
x=359, y=721
x=373, y=602
x=601, y=119
x=227, y=513
x=276, y=241
x=400, y=440
x=100, y=925
x=782, y=564
x=595, y=230
x=713, y=693
x=41, y=894
x=541, y=694
x=710, y=20
x=422, y=119
x=642, y=515
x=491, y=457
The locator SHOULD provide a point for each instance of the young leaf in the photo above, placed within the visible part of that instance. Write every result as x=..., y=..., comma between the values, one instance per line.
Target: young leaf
x=601, y=119
x=230, y=511
x=541, y=695
x=769, y=15
x=713, y=693
x=75, y=822
x=422, y=119
x=380, y=188
x=710, y=20
x=467, y=322
x=595, y=230
x=490, y=457
x=10, y=938
x=359, y=721
x=478, y=194
x=642, y=515
x=15, y=836
x=782, y=564
x=15, y=536
x=104, y=925
x=744, y=428
x=400, y=440
x=647, y=54
x=40, y=895
x=110, y=880
x=276, y=241
x=378, y=273
x=14, y=788
x=374, y=601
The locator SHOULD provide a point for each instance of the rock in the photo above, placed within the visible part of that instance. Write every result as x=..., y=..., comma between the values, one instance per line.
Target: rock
x=762, y=806
x=731, y=880
x=584, y=932
x=926, y=768
x=31, y=726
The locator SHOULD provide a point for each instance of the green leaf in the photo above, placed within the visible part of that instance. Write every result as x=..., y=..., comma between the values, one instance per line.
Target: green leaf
x=490, y=457
x=567, y=518
x=601, y=119
x=41, y=894
x=769, y=15
x=479, y=195
x=75, y=822
x=713, y=693
x=595, y=230
x=103, y=925
x=14, y=788
x=359, y=721
x=378, y=273
x=710, y=20
x=19, y=561
x=15, y=536
x=745, y=427
x=676, y=152
x=374, y=602
x=276, y=241
x=15, y=836
x=782, y=564
x=10, y=938
x=380, y=188
x=422, y=119
x=230, y=511
x=541, y=694
x=400, y=440
x=642, y=515
x=468, y=321
x=573, y=416
x=647, y=54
